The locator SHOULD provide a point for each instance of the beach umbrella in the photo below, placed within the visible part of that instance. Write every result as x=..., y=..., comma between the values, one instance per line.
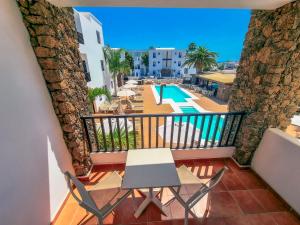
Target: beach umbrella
x=132, y=82
x=129, y=86
x=125, y=93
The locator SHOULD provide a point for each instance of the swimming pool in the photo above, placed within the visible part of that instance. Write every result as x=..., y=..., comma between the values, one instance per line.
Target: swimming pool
x=214, y=123
x=173, y=92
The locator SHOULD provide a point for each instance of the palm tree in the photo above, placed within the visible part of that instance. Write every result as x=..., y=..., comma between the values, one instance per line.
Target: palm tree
x=192, y=47
x=200, y=58
x=145, y=61
x=116, y=66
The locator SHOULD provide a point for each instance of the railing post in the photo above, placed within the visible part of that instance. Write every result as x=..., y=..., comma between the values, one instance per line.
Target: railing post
x=87, y=134
x=161, y=93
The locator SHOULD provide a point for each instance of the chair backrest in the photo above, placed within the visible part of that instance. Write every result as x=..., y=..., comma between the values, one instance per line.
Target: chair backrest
x=216, y=178
x=204, y=189
x=86, y=200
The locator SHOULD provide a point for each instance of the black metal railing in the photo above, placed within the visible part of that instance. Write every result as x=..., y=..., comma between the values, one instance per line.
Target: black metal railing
x=87, y=76
x=80, y=37
x=111, y=133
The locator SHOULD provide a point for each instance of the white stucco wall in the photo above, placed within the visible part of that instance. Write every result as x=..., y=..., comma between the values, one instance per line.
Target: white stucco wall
x=175, y=64
x=92, y=50
x=277, y=161
x=33, y=152
x=102, y=158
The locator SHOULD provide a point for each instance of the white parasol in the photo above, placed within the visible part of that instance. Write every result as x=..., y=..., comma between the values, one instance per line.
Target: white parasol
x=129, y=86
x=125, y=93
x=132, y=82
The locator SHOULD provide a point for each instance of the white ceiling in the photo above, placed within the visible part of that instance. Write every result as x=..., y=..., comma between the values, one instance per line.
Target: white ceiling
x=248, y=4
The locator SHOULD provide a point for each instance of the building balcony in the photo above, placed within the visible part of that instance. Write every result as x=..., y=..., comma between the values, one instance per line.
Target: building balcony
x=241, y=198
x=87, y=76
x=80, y=38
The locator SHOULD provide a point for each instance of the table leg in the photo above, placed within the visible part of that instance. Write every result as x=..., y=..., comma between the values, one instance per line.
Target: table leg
x=150, y=197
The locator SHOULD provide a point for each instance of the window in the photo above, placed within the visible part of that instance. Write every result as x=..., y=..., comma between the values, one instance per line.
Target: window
x=84, y=66
x=186, y=70
x=154, y=55
x=179, y=63
x=158, y=62
x=179, y=54
x=87, y=75
x=138, y=67
x=174, y=62
x=154, y=64
x=80, y=37
x=102, y=65
x=98, y=37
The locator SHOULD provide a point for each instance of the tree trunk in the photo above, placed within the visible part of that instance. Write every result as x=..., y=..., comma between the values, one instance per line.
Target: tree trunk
x=115, y=85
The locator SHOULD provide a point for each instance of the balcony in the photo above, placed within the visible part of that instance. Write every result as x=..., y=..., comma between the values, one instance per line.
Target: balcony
x=45, y=138
x=80, y=38
x=241, y=198
x=87, y=76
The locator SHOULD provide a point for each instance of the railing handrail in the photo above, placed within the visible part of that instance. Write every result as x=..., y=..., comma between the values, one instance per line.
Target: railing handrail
x=161, y=115
x=204, y=130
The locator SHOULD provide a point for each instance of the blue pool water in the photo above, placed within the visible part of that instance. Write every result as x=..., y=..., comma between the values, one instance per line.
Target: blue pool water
x=214, y=123
x=173, y=92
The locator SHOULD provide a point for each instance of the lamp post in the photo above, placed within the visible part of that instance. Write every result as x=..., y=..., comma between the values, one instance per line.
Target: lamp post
x=161, y=93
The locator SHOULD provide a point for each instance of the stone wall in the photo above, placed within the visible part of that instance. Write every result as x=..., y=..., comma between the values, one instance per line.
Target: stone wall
x=224, y=91
x=267, y=86
x=54, y=40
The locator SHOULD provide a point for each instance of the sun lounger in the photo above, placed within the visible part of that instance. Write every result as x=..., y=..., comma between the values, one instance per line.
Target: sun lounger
x=138, y=99
x=109, y=107
x=134, y=107
x=104, y=107
x=114, y=108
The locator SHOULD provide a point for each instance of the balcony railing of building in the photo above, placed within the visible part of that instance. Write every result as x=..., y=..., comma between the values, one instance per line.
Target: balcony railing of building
x=80, y=38
x=87, y=76
x=111, y=133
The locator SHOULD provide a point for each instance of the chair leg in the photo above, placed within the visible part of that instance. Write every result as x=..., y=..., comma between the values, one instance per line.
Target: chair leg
x=134, y=199
x=186, y=216
x=100, y=221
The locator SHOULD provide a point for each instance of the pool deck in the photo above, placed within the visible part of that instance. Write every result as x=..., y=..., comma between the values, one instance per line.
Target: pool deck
x=204, y=102
x=150, y=107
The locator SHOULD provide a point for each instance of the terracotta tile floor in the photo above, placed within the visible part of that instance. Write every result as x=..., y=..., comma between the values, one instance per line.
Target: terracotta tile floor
x=240, y=199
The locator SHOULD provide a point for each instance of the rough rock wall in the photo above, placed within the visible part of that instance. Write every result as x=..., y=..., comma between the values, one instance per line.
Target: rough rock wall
x=224, y=91
x=54, y=40
x=267, y=86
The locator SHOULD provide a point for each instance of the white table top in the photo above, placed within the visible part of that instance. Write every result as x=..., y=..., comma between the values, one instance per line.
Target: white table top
x=150, y=168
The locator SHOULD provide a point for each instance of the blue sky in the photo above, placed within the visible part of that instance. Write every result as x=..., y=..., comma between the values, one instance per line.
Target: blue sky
x=220, y=30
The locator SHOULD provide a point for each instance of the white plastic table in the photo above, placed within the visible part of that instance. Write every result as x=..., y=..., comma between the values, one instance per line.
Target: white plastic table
x=150, y=168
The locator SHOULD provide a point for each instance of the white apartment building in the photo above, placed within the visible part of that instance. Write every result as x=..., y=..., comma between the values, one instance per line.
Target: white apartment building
x=139, y=69
x=91, y=43
x=167, y=62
